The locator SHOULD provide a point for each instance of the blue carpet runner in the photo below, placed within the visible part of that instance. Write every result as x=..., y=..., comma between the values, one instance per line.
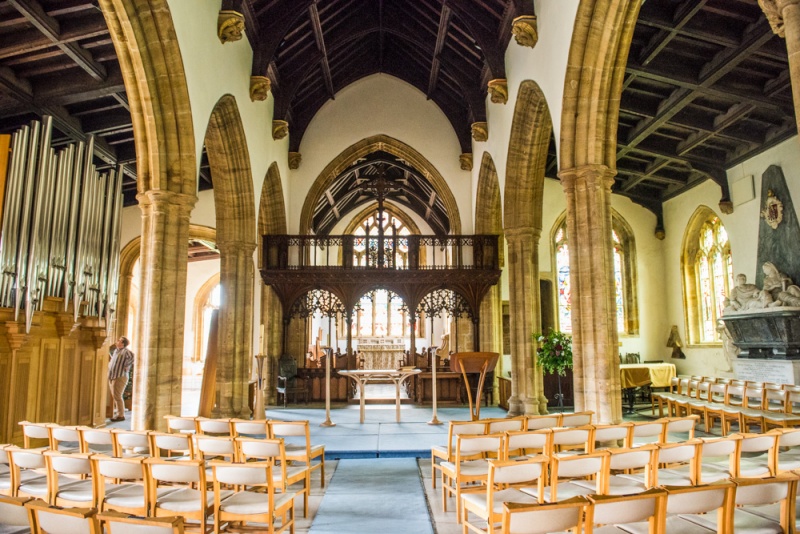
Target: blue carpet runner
x=382, y=495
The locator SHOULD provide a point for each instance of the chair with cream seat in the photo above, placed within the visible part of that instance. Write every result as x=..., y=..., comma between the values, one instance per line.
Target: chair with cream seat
x=661, y=397
x=35, y=435
x=685, y=503
x=465, y=468
x=120, y=486
x=543, y=518
x=284, y=474
x=14, y=515
x=541, y=422
x=789, y=417
x=130, y=443
x=527, y=443
x=762, y=505
x=189, y=499
x=647, y=432
x=757, y=455
x=28, y=473
x=118, y=523
x=620, y=464
x=172, y=446
x=302, y=450
x=676, y=464
x=507, y=424
x=680, y=403
x=719, y=459
x=697, y=404
x=612, y=436
x=47, y=519
x=611, y=514
x=576, y=419
x=716, y=402
x=255, y=499
x=6, y=482
x=566, y=470
x=677, y=429
x=213, y=427
x=70, y=479
x=444, y=453
x=248, y=428
x=573, y=440
x=178, y=424
x=731, y=411
x=65, y=438
x=96, y=440
x=752, y=411
x=787, y=456
x=208, y=448
x=504, y=483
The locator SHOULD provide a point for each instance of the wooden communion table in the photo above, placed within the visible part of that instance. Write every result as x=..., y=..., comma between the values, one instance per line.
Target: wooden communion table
x=362, y=376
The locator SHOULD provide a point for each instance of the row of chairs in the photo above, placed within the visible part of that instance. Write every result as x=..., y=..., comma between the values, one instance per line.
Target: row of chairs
x=723, y=507
x=20, y=515
x=123, y=443
x=732, y=402
x=158, y=487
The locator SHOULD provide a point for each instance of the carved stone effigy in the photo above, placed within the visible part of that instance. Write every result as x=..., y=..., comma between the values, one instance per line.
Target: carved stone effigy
x=764, y=323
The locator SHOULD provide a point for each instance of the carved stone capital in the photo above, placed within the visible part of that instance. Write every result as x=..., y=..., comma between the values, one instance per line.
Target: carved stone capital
x=230, y=26
x=774, y=11
x=480, y=131
x=466, y=161
x=294, y=160
x=498, y=90
x=259, y=88
x=726, y=206
x=280, y=129
x=525, y=30
x=591, y=173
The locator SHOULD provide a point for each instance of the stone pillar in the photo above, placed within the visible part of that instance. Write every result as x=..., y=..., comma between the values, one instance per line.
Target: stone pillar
x=491, y=328
x=525, y=314
x=159, y=341
x=235, y=360
x=784, y=17
x=591, y=264
x=272, y=319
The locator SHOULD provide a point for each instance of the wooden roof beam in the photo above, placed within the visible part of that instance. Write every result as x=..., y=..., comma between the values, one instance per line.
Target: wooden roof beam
x=35, y=14
x=441, y=35
x=493, y=56
x=280, y=20
x=316, y=26
x=683, y=14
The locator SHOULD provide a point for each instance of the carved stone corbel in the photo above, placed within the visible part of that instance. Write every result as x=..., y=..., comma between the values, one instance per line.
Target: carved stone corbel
x=15, y=333
x=466, y=161
x=772, y=10
x=525, y=30
x=294, y=160
x=480, y=131
x=230, y=26
x=259, y=88
x=498, y=90
x=280, y=129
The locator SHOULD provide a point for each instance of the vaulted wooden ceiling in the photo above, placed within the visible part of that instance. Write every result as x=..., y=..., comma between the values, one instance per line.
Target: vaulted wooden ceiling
x=707, y=82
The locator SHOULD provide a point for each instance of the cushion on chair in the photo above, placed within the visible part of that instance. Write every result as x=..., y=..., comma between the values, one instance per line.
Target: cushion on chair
x=566, y=490
x=744, y=523
x=188, y=500
x=251, y=503
x=675, y=524
x=78, y=491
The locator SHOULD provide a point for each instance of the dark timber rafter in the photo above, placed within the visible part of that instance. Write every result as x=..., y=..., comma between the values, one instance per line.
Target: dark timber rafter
x=444, y=24
x=313, y=14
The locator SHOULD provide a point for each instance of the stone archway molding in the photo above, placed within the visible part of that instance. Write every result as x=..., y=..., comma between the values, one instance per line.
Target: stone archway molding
x=365, y=147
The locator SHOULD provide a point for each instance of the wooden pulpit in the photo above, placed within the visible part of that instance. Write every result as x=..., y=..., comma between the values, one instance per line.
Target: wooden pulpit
x=474, y=362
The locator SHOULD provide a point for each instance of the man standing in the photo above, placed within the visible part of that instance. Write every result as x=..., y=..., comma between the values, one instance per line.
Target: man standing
x=118, y=369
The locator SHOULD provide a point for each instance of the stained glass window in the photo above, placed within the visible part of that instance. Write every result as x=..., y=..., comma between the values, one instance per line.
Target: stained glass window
x=714, y=275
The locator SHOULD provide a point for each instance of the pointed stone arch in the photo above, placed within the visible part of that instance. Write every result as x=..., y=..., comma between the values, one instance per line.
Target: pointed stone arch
x=234, y=200
x=522, y=216
x=150, y=59
x=364, y=148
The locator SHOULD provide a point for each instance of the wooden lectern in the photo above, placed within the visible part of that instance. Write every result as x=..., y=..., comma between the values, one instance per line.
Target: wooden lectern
x=474, y=362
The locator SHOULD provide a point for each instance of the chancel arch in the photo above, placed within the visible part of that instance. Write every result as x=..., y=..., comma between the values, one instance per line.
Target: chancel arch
x=522, y=224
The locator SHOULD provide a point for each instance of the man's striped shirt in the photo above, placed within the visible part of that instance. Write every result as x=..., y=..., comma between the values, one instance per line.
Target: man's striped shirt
x=121, y=363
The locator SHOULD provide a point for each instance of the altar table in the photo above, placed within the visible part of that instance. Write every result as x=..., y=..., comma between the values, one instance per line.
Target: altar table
x=658, y=375
x=362, y=376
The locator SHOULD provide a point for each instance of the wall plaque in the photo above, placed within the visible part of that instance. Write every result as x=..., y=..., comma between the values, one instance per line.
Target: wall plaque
x=777, y=372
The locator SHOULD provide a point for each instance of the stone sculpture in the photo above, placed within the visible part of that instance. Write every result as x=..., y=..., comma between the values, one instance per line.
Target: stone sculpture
x=777, y=290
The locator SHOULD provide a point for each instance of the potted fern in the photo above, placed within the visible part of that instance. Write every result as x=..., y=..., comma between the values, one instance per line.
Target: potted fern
x=554, y=355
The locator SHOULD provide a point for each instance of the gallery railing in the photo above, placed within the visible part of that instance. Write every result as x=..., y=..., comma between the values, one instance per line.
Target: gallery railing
x=411, y=252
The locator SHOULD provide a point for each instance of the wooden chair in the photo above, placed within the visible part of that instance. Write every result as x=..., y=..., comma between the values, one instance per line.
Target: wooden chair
x=174, y=446
x=119, y=485
x=573, y=440
x=619, y=465
x=130, y=443
x=304, y=451
x=565, y=470
x=181, y=424
x=684, y=504
x=719, y=459
x=96, y=440
x=64, y=438
x=576, y=419
x=213, y=427
x=752, y=411
x=288, y=381
x=47, y=519
x=465, y=469
x=622, y=510
x=612, y=436
x=444, y=453
x=541, y=422
x=69, y=479
x=757, y=455
x=527, y=443
x=676, y=464
x=28, y=473
x=544, y=518
x=787, y=453
x=647, y=432
x=117, y=523
x=679, y=425
x=247, y=428
x=504, y=484
x=14, y=515
x=35, y=435
x=254, y=499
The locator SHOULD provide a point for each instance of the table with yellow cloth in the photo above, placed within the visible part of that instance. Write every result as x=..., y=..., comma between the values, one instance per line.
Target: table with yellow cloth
x=634, y=375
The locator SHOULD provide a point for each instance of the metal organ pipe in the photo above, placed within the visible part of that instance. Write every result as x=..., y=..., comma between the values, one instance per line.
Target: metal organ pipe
x=60, y=234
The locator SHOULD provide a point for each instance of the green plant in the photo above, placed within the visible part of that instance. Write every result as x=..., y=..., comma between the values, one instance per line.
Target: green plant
x=554, y=354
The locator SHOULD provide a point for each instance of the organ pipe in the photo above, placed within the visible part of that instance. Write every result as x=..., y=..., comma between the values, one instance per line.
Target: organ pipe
x=60, y=233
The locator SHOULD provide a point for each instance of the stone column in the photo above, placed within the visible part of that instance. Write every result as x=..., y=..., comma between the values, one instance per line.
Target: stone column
x=235, y=360
x=159, y=340
x=591, y=264
x=784, y=17
x=525, y=314
x=272, y=319
x=491, y=328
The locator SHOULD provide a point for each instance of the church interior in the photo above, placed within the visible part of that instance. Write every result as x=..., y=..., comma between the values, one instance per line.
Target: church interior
x=273, y=202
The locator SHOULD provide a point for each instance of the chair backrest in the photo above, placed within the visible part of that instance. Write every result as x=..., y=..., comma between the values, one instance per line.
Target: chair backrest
x=718, y=392
x=214, y=446
x=63, y=520
x=523, y=442
x=754, y=396
x=260, y=449
x=606, y=509
x=775, y=400
x=703, y=389
x=185, y=472
x=288, y=428
x=127, y=469
x=673, y=384
x=13, y=512
x=761, y=491
x=578, y=466
x=287, y=368
x=26, y=458
x=493, y=426
x=171, y=443
x=683, y=386
x=96, y=440
x=700, y=499
x=249, y=428
x=734, y=394
x=626, y=459
x=789, y=437
x=246, y=474
x=135, y=442
x=469, y=446
x=77, y=464
x=540, y=422
x=542, y=518
x=648, y=431
x=614, y=435
x=69, y=434
x=673, y=455
x=581, y=438
x=34, y=431
x=213, y=427
x=116, y=523
x=679, y=425
x=177, y=423
x=576, y=419
x=516, y=473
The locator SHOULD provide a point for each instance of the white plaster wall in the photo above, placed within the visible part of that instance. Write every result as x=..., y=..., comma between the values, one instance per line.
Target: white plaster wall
x=198, y=273
x=742, y=227
x=379, y=104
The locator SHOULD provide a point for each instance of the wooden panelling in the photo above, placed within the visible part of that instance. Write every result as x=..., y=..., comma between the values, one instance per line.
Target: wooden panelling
x=87, y=379
x=5, y=384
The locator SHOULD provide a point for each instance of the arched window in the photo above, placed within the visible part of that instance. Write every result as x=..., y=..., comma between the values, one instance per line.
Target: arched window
x=206, y=301
x=624, y=276
x=365, y=251
x=708, y=274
